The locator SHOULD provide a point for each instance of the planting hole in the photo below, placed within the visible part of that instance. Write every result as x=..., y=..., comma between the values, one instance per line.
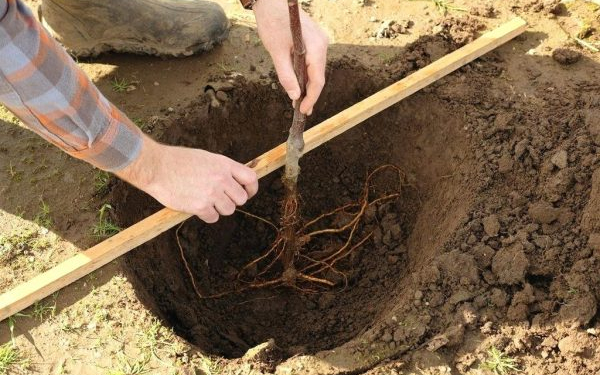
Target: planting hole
x=421, y=135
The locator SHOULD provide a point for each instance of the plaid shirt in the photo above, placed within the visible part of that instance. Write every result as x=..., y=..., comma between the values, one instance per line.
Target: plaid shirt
x=44, y=87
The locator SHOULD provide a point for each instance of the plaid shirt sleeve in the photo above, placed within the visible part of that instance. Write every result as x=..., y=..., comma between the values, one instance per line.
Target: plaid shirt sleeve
x=44, y=87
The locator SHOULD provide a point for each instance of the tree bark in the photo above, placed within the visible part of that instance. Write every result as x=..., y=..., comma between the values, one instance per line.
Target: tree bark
x=295, y=147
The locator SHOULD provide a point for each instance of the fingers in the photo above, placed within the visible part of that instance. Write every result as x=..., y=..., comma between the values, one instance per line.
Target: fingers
x=224, y=205
x=315, y=69
x=247, y=178
x=241, y=186
x=282, y=59
x=209, y=215
x=236, y=193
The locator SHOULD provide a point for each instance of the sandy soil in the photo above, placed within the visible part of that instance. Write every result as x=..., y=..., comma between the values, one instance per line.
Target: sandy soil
x=488, y=259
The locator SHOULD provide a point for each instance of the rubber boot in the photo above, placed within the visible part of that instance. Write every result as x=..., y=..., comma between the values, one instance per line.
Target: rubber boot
x=156, y=27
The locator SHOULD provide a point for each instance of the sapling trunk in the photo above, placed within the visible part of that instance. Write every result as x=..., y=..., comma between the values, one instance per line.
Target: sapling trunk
x=295, y=147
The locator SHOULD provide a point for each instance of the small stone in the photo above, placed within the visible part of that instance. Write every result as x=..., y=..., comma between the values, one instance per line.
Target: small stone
x=510, y=264
x=566, y=56
x=483, y=255
x=452, y=336
x=594, y=241
x=391, y=28
x=472, y=239
x=460, y=296
x=225, y=86
x=393, y=259
x=491, y=225
x=521, y=147
x=543, y=212
x=274, y=86
x=156, y=83
x=222, y=96
x=487, y=328
x=560, y=159
x=498, y=297
x=505, y=163
x=579, y=311
x=484, y=10
x=387, y=337
x=261, y=352
x=543, y=242
x=170, y=109
x=576, y=343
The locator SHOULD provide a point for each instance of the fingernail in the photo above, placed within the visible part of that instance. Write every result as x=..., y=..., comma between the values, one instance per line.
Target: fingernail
x=309, y=112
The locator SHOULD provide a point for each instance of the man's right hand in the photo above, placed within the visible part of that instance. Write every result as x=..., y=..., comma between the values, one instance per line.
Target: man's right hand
x=191, y=180
x=273, y=21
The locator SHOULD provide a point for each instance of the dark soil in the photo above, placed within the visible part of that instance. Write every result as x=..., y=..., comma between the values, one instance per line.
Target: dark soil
x=332, y=175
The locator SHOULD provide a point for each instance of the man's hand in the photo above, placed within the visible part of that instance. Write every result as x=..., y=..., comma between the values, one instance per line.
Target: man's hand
x=191, y=180
x=273, y=23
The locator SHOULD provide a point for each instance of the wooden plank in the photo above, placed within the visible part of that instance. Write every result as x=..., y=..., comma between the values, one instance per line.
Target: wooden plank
x=97, y=256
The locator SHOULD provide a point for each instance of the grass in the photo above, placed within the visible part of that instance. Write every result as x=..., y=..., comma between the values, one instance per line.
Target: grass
x=101, y=180
x=15, y=175
x=120, y=84
x=43, y=310
x=12, y=321
x=151, y=338
x=43, y=218
x=445, y=6
x=140, y=123
x=8, y=116
x=388, y=57
x=210, y=365
x=157, y=339
x=224, y=67
x=105, y=228
x=499, y=363
x=587, y=45
x=134, y=367
x=20, y=242
x=11, y=357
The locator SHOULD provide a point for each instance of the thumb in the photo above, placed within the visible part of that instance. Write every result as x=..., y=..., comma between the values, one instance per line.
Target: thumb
x=287, y=76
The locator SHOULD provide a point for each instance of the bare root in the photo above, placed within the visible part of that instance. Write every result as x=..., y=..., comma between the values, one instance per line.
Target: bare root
x=309, y=269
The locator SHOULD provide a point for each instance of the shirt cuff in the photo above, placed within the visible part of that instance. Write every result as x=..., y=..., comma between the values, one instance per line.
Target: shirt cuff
x=118, y=147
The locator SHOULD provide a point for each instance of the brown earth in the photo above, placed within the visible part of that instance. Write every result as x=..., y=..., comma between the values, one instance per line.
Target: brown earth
x=495, y=245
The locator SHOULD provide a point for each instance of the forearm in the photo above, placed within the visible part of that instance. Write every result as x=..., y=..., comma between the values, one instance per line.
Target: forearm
x=42, y=86
x=141, y=172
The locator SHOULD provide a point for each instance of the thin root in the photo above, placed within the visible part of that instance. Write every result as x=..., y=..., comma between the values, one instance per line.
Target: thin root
x=312, y=271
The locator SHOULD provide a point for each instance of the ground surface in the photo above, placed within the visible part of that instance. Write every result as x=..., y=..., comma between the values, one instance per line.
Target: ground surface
x=489, y=259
